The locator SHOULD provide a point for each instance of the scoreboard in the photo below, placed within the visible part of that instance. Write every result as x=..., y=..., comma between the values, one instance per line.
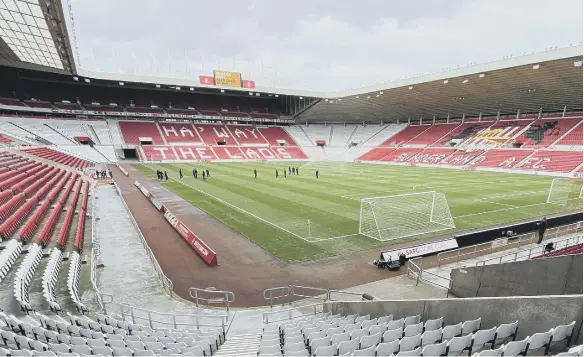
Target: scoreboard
x=227, y=79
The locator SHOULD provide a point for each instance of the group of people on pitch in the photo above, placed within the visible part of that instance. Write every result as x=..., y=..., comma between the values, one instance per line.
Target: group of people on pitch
x=205, y=173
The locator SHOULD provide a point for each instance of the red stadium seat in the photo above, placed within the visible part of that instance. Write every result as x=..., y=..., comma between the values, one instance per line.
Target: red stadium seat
x=33, y=222
x=47, y=232
x=274, y=135
x=133, y=131
x=11, y=224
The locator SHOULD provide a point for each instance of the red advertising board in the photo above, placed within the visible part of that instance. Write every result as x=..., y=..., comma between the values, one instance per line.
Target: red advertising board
x=247, y=83
x=207, y=80
x=202, y=249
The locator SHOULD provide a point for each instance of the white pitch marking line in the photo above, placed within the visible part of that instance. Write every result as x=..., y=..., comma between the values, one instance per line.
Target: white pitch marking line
x=239, y=209
x=500, y=204
x=331, y=238
x=500, y=210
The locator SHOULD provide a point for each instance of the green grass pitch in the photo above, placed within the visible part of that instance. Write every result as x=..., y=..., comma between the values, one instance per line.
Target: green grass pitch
x=274, y=213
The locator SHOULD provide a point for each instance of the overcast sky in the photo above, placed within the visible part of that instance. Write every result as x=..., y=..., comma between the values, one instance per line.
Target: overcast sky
x=324, y=45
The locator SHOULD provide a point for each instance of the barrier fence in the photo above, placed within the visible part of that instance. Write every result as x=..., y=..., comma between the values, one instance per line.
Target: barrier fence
x=502, y=244
x=416, y=270
x=156, y=319
x=212, y=297
x=530, y=252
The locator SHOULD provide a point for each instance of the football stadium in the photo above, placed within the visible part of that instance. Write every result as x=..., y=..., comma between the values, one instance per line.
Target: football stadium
x=154, y=205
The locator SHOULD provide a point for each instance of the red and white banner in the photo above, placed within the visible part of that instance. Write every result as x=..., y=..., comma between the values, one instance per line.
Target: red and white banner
x=202, y=249
x=420, y=250
x=207, y=80
x=142, y=188
x=247, y=83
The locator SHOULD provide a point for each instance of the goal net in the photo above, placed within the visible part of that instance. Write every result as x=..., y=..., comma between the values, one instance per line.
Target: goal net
x=563, y=190
x=400, y=216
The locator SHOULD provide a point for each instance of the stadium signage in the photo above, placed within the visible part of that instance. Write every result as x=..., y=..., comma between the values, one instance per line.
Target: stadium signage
x=164, y=115
x=143, y=189
x=227, y=79
x=202, y=249
x=421, y=250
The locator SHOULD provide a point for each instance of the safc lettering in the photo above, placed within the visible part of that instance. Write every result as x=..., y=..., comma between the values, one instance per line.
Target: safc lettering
x=195, y=242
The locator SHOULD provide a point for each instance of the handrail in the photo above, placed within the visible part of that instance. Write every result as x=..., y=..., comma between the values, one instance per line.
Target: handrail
x=155, y=318
x=501, y=243
x=290, y=312
x=95, y=253
x=166, y=282
x=223, y=297
x=416, y=269
x=289, y=292
x=527, y=253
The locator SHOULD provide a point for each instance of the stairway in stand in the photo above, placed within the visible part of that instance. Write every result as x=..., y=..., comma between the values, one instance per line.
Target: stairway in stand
x=240, y=345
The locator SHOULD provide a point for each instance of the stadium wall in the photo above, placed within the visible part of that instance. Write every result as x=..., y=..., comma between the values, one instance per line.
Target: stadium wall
x=491, y=234
x=535, y=313
x=550, y=276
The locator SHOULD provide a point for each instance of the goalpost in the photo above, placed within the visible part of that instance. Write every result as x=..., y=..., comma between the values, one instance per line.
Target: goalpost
x=399, y=216
x=563, y=190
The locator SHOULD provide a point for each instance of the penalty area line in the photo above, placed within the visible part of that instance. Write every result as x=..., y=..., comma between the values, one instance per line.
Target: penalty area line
x=500, y=210
x=239, y=209
x=331, y=238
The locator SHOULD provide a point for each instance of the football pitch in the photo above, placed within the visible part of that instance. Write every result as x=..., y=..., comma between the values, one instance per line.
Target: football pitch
x=300, y=217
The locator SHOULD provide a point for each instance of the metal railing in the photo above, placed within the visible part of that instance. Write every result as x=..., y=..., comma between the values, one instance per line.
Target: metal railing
x=415, y=269
x=283, y=295
x=156, y=319
x=166, y=282
x=294, y=313
x=212, y=297
x=501, y=244
x=101, y=298
x=529, y=253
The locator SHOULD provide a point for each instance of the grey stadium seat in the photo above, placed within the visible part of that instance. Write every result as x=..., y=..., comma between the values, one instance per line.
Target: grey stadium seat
x=387, y=348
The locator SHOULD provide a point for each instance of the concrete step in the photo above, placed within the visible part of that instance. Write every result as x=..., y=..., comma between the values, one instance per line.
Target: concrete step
x=240, y=345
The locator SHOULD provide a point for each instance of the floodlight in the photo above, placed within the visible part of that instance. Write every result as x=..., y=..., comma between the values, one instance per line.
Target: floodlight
x=578, y=63
x=411, y=87
x=465, y=81
x=301, y=98
x=87, y=80
x=276, y=95
x=357, y=97
x=192, y=88
x=121, y=83
x=482, y=75
x=75, y=78
x=222, y=90
x=250, y=93
x=445, y=81
x=158, y=86
x=536, y=66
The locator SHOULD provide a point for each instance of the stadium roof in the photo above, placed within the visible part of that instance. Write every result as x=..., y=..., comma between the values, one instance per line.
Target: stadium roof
x=548, y=81
x=33, y=35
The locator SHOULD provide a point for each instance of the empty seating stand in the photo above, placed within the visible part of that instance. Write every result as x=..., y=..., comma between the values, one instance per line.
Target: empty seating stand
x=59, y=157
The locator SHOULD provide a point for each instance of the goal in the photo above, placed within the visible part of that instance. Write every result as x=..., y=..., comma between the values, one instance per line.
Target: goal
x=563, y=190
x=392, y=217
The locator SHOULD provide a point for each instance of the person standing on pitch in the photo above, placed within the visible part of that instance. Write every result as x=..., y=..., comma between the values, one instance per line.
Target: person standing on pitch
x=289, y=170
x=316, y=173
x=255, y=173
x=297, y=172
x=166, y=175
x=284, y=173
x=180, y=173
x=208, y=174
x=204, y=177
x=541, y=226
x=276, y=173
x=195, y=173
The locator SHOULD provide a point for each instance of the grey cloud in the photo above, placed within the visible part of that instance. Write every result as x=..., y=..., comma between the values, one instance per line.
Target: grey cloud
x=322, y=44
